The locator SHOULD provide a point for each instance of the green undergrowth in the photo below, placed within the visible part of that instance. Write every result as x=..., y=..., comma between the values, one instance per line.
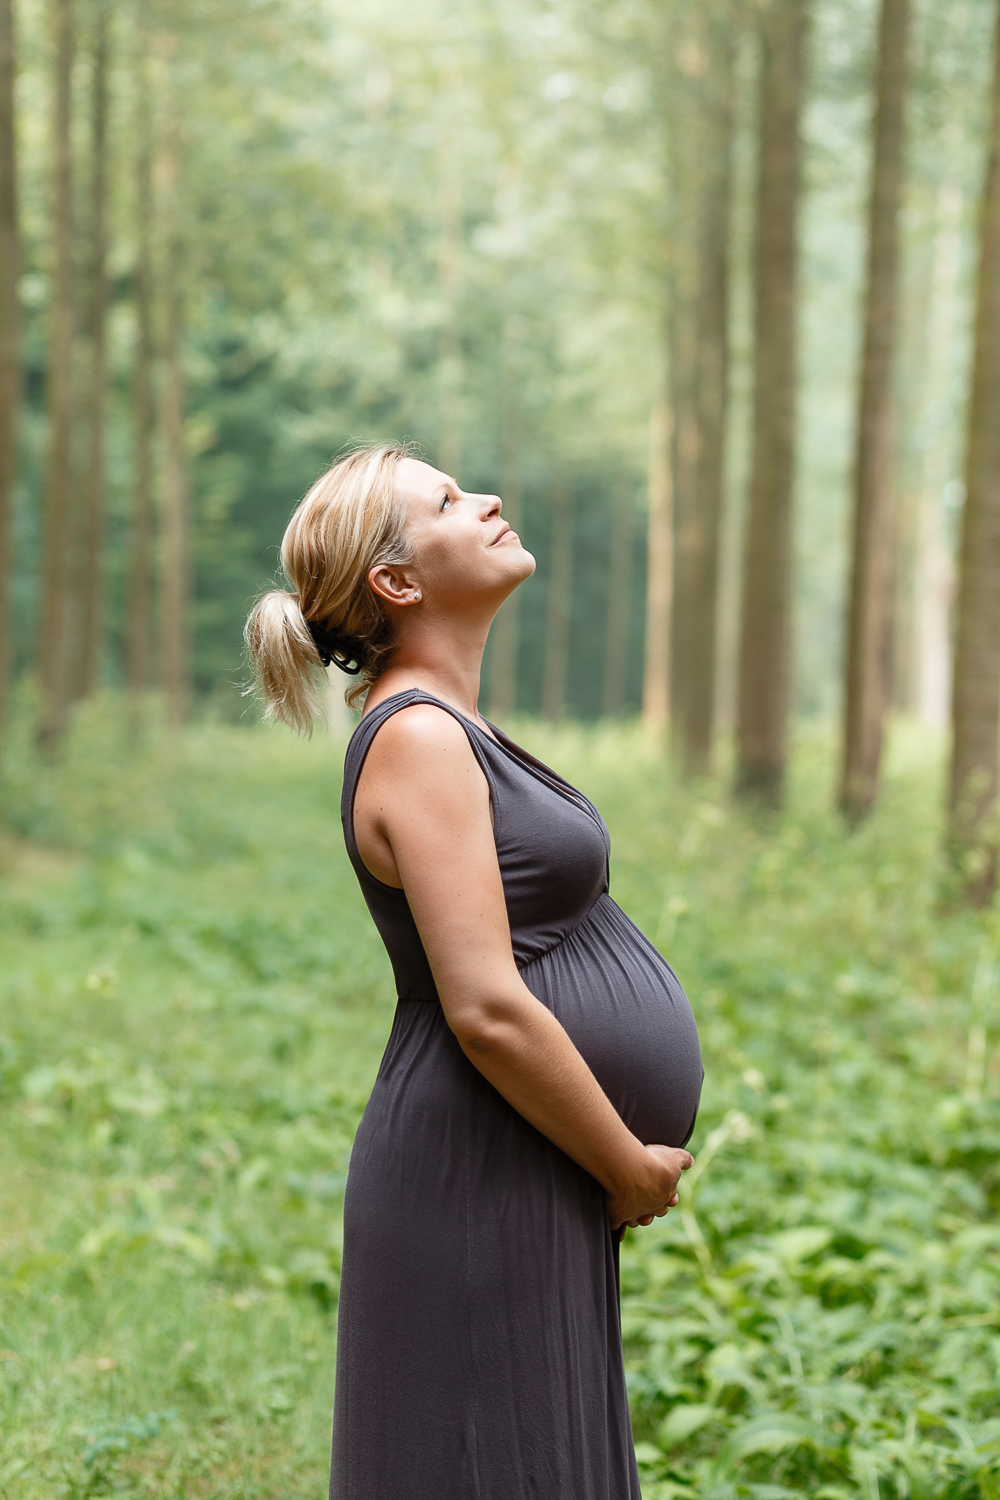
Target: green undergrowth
x=193, y=1007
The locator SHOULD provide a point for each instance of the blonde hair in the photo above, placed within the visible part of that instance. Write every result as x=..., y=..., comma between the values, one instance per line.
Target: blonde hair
x=348, y=523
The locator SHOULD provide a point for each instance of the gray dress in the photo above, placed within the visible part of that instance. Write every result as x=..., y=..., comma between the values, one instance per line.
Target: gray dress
x=479, y=1341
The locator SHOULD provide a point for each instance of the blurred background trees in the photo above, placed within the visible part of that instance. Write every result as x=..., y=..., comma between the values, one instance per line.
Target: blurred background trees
x=870, y=608
x=977, y=644
x=10, y=324
x=766, y=625
x=695, y=287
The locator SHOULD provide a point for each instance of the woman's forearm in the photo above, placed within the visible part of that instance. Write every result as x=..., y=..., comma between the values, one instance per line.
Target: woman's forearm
x=521, y=1048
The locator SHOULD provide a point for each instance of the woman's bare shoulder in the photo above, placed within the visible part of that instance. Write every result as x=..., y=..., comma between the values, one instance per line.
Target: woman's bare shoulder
x=418, y=737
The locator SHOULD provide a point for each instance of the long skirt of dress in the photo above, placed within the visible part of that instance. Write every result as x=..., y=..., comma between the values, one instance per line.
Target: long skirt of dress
x=479, y=1347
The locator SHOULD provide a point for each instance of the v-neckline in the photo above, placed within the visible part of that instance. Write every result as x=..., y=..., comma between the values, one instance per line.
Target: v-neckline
x=546, y=775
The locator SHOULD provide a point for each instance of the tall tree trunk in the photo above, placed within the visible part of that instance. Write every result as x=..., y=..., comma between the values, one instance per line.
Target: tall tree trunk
x=914, y=347
x=712, y=388
x=937, y=594
x=504, y=634
x=976, y=692
x=870, y=606
x=141, y=528
x=766, y=613
x=60, y=393
x=937, y=566
x=921, y=637
x=174, y=600
x=449, y=454
x=619, y=601
x=92, y=591
x=10, y=354
x=686, y=142
x=560, y=586
x=659, y=570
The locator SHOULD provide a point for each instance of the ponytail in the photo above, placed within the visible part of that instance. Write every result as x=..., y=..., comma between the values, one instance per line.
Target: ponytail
x=285, y=659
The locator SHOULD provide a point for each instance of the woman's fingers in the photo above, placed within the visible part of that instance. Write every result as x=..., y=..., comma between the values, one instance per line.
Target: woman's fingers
x=642, y=1223
x=636, y=1203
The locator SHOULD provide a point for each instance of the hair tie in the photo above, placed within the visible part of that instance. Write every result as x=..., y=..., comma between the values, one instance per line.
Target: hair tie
x=335, y=648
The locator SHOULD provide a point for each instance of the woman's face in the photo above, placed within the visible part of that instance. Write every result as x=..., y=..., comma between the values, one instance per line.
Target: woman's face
x=464, y=552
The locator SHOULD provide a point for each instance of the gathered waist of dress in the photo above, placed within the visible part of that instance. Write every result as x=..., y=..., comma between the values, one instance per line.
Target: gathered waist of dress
x=537, y=957
x=435, y=999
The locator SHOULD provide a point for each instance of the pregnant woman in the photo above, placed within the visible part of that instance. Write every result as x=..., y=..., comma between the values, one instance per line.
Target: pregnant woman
x=543, y=1071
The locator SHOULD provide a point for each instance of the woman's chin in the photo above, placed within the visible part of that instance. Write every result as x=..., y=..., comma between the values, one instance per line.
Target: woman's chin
x=520, y=567
x=528, y=564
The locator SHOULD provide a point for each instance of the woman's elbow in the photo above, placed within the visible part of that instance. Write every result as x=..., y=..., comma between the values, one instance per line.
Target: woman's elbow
x=484, y=1025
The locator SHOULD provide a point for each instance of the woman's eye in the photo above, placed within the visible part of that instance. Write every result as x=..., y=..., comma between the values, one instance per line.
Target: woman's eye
x=445, y=501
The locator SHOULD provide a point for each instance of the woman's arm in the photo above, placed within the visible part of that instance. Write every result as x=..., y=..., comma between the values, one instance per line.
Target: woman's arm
x=422, y=821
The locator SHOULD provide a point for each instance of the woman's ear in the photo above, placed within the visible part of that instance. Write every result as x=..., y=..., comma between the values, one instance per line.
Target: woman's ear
x=393, y=585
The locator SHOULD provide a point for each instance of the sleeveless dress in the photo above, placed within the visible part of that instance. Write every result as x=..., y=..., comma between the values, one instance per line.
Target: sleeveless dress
x=479, y=1340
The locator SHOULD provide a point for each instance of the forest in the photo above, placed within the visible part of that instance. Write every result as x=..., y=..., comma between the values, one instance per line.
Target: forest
x=708, y=291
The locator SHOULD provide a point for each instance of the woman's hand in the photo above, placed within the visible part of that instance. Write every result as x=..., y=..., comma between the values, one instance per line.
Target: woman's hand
x=651, y=1188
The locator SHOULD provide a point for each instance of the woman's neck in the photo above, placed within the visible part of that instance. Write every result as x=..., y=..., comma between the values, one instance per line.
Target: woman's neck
x=441, y=658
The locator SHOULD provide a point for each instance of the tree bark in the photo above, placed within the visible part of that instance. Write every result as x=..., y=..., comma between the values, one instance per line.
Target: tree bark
x=659, y=570
x=685, y=124
x=976, y=690
x=619, y=602
x=53, y=663
x=141, y=527
x=10, y=331
x=937, y=566
x=175, y=590
x=914, y=348
x=921, y=654
x=711, y=390
x=92, y=590
x=504, y=636
x=449, y=454
x=557, y=622
x=870, y=607
x=766, y=612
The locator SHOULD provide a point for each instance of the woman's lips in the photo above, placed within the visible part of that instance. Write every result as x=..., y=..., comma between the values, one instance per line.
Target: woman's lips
x=503, y=537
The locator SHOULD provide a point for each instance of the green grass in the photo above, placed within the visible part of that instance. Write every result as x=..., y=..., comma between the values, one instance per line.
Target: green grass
x=193, y=1007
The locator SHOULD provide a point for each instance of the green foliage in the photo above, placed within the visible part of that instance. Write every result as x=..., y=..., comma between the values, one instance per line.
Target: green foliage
x=193, y=1006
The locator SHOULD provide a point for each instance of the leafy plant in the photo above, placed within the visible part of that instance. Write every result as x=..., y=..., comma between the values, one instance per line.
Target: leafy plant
x=820, y=1318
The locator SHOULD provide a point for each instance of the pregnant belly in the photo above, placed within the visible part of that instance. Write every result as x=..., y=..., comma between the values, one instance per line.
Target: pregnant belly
x=630, y=1019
